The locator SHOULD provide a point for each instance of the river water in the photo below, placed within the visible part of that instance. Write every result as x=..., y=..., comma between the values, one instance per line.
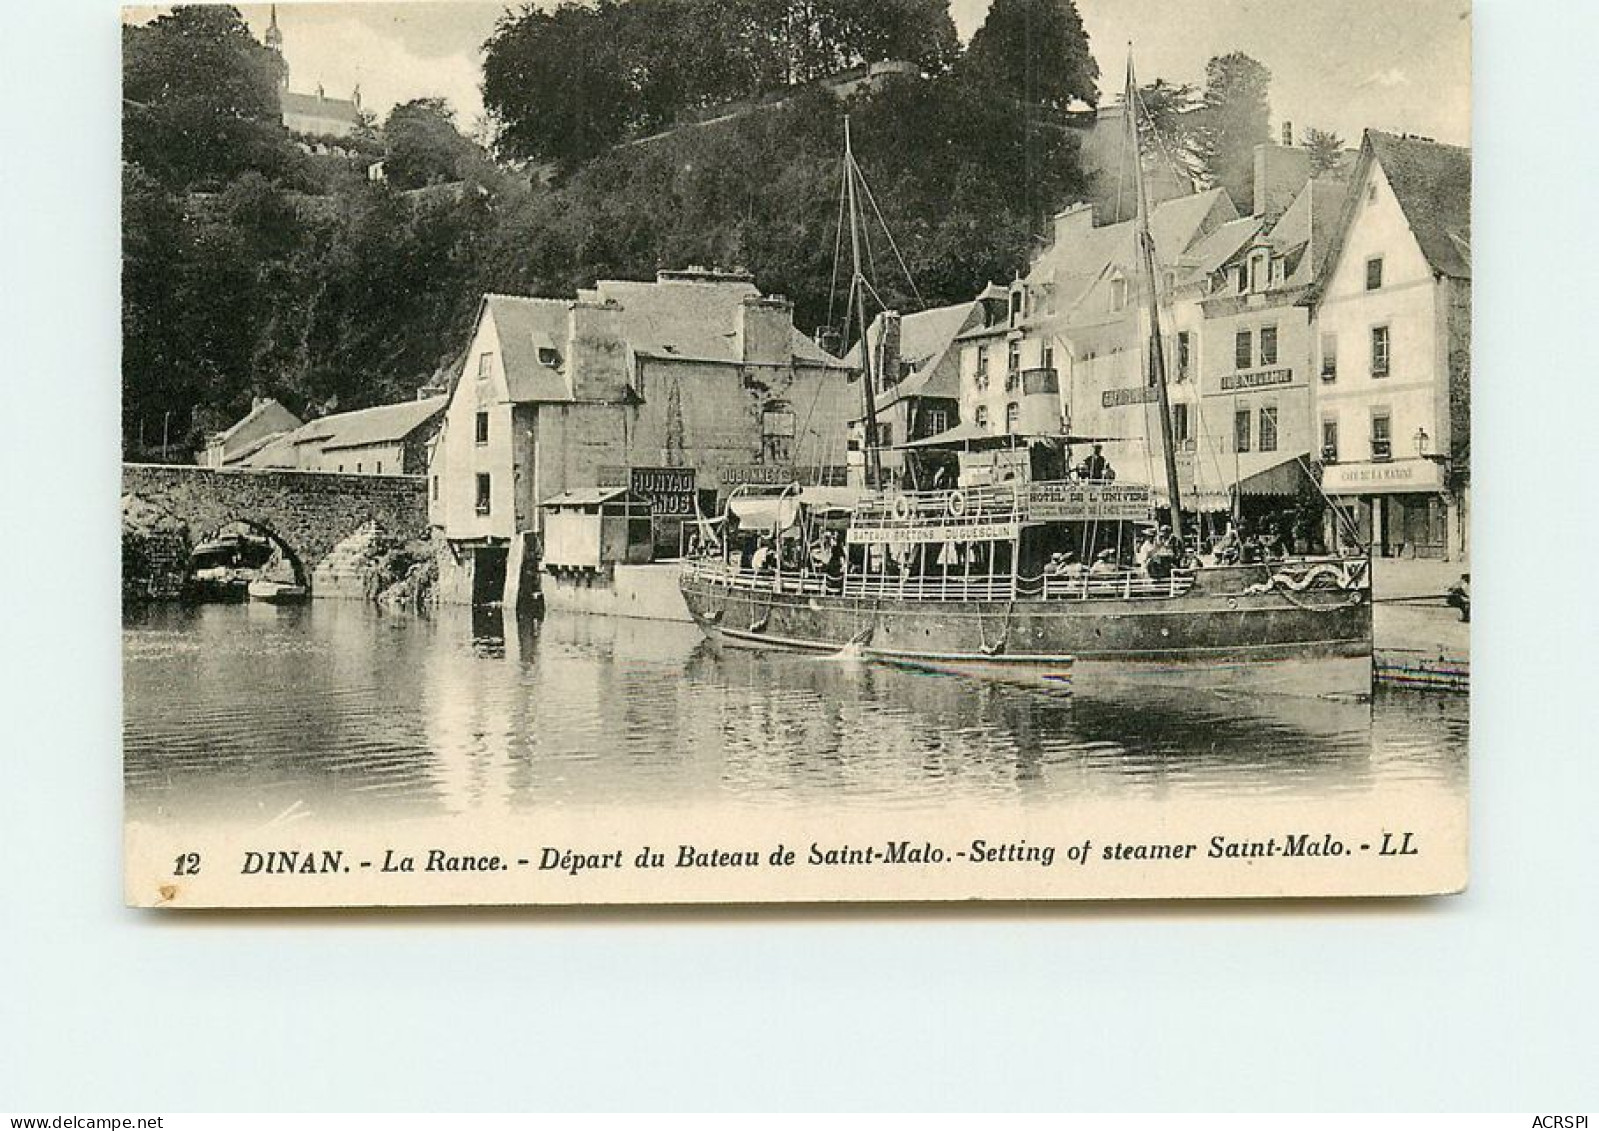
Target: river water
x=349, y=712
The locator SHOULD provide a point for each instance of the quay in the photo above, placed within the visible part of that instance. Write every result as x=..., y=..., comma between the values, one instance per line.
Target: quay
x=1419, y=641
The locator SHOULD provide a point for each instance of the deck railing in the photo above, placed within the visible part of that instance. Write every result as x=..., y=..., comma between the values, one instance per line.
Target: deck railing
x=1122, y=585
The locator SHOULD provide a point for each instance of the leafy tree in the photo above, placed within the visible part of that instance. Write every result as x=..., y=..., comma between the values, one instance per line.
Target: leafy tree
x=554, y=84
x=1233, y=118
x=565, y=85
x=1326, y=150
x=200, y=98
x=1034, y=51
x=422, y=146
x=1167, y=122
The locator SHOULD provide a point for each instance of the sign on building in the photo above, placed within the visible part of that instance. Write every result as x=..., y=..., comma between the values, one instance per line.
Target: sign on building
x=781, y=475
x=670, y=490
x=1063, y=502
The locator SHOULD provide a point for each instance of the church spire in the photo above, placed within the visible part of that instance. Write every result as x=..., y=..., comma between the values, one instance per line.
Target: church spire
x=274, y=42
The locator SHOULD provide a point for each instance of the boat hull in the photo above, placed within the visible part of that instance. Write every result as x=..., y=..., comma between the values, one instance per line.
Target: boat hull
x=1317, y=642
x=277, y=593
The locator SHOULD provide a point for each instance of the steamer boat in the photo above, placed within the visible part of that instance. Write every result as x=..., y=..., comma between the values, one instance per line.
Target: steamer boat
x=1027, y=580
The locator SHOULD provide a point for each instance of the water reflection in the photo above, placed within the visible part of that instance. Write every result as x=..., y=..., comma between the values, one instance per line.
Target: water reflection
x=345, y=710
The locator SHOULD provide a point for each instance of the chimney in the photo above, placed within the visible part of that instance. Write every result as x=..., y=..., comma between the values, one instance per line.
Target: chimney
x=765, y=332
x=886, y=359
x=596, y=354
x=1075, y=222
x=1288, y=133
x=257, y=402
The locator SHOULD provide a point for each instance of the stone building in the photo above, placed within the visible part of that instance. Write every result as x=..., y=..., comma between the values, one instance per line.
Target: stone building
x=389, y=439
x=1254, y=435
x=696, y=376
x=316, y=115
x=266, y=421
x=1393, y=328
x=1065, y=348
x=915, y=365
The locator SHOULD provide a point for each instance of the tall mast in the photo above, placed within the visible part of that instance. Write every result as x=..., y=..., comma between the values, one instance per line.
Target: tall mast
x=1157, y=348
x=857, y=303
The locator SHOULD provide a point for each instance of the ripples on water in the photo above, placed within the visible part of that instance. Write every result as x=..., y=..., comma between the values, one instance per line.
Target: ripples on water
x=346, y=710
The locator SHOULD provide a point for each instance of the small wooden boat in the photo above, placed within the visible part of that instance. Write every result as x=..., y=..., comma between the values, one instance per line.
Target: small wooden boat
x=277, y=592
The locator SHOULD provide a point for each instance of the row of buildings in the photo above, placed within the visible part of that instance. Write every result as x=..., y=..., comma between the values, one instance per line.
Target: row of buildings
x=1325, y=338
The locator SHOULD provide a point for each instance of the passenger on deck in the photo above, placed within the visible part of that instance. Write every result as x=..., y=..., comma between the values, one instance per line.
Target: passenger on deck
x=1226, y=548
x=1096, y=466
x=1162, y=556
x=1104, y=563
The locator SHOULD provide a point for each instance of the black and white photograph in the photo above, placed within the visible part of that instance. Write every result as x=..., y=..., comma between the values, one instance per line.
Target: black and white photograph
x=794, y=451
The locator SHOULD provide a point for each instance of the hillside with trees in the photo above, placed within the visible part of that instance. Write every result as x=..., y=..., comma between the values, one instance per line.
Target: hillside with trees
x=257, y=265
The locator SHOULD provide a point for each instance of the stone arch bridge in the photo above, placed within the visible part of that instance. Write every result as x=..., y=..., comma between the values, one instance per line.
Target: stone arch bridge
x=168, y=508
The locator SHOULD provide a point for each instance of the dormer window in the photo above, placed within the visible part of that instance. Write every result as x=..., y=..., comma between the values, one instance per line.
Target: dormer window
x=1259, y=268
x=1118, y=293
x=548, y=356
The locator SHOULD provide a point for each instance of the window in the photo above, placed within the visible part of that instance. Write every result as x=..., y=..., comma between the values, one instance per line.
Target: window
x=1268, y=345
x=1329, y=357
x=1185, y=355
x=1258, y=267
x=482, y=493
x=380, y=467
x=435, y=488
x=549, y=357
x=1118, y=293
x=1371, y=193
x=937, y=421
x=1374, y=273
x=482, y=427
x=1268, y=428
x=884, y=435
x=1379, y=351
x=1015, y=306
x=1179, y=423
x=1243, y=350
x=982, y=417
x=1013, y=417
x=1013, y=357
x=1240, y=279
x=1329, y=441
x=982, y=366
x=485, y=366
x=1049, y=357
x=1382, y=442
x=777, y=432
x=1279, y=270
x=1241, y=430
x=359, y=468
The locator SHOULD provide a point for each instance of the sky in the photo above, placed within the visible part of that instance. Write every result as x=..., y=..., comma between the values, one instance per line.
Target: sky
x=1342, y=65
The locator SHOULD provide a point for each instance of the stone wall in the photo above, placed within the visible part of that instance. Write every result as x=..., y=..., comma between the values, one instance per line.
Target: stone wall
x=309, y=512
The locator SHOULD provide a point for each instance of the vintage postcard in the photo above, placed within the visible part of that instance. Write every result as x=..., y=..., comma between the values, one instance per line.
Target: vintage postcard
x=659, y=452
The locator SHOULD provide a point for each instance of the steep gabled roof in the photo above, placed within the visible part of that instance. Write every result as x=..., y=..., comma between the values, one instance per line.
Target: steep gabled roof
x=524, y=326
x=1078, y=264
x=690, y=319
x=268, y=406
x=383, y=424
x=1433, y=184
x=318, y=106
